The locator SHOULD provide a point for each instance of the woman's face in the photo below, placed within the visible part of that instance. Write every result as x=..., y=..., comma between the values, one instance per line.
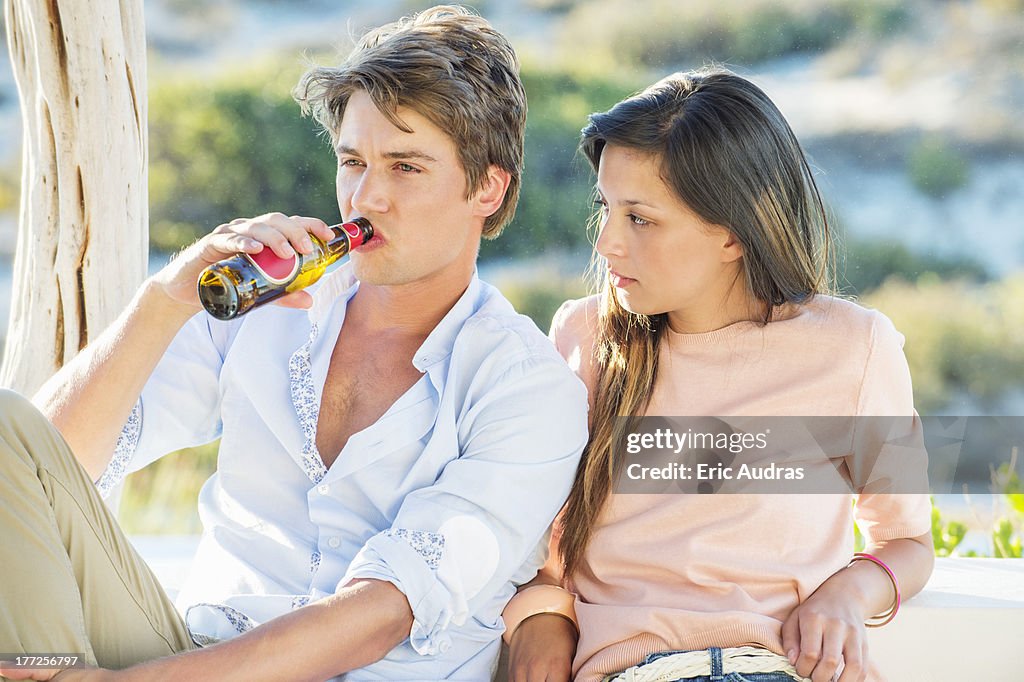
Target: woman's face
x=662, y=257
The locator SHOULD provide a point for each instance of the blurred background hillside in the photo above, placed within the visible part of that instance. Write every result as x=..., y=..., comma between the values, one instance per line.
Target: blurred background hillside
x=910, y=110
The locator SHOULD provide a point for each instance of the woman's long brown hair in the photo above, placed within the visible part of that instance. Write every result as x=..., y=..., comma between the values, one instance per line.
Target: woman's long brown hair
x=731, y=157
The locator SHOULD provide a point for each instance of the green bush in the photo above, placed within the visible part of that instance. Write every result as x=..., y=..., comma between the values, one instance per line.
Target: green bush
x=10, y=190
x=539, y=297
x=234, y=147
x=665, y=33
x=936, y=167
x=555, y=201
x=961, y=337
x=866, y=265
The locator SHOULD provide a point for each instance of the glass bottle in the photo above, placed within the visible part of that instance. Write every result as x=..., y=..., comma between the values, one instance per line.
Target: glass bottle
x=238, y=284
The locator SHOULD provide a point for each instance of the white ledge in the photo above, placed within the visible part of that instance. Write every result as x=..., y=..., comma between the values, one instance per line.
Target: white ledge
x=965, y=625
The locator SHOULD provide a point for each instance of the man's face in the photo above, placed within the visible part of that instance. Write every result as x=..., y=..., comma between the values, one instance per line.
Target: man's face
x=412, y=188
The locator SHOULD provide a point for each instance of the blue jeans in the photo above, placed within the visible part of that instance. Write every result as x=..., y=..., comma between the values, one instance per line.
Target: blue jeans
x=716, y=670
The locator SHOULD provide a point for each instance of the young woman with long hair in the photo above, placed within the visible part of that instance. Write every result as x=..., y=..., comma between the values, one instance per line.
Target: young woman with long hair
x=714, y=248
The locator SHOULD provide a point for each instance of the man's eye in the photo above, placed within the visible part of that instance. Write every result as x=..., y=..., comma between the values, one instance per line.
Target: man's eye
x=406, y=168
x=350, y=162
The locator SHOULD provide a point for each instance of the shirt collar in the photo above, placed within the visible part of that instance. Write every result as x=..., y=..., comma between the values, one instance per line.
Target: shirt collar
x=336, y=287
x=439, y=343
x=339, y=287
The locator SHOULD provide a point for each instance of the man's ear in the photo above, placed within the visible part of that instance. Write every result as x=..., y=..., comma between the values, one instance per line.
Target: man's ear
x=489, y=197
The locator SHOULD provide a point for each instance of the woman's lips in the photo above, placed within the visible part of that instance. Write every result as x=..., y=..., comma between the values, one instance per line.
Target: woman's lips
x=619, y=281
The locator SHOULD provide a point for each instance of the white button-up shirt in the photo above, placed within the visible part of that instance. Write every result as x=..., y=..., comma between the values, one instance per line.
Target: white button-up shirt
x=448, y=496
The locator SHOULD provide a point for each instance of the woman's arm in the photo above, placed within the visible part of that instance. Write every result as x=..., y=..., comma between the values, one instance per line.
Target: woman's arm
x=828, y=627
x=543, y=644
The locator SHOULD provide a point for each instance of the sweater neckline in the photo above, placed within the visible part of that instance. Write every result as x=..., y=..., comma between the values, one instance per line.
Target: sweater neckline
x=780, y=314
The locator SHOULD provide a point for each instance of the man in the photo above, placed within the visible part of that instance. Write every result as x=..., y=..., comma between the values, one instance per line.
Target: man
x=393, y=447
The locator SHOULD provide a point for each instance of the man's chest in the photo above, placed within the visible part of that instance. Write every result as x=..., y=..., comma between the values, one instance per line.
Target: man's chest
x=358, y=390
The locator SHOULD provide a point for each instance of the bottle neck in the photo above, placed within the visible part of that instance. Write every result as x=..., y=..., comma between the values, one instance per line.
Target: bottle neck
x=349, y=235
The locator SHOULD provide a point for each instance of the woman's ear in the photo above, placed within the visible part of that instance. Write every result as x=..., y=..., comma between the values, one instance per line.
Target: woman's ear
x=491, y=194
x=732, y=250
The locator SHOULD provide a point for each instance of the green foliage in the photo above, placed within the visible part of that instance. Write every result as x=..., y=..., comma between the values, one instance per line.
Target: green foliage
x=555, y=199
x=10, y=189
x=946, y=536
x=406, y=7
x=235, y=147
x=666, y=33
x=936, y=167
x=1006, y=541
x=552, y=6
x=162, y=498
x=539, y=297
x=866, y=265
x=1006, y=532
x=960, y=337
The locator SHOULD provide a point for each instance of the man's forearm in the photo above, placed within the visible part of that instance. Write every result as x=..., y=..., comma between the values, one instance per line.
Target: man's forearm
x=90, y=398
x=348, y=630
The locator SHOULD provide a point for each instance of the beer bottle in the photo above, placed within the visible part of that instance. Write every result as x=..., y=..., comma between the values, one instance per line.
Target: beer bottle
x=238, y=284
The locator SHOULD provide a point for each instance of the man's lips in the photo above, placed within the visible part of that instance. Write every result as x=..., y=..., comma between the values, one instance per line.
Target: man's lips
x=376, y=240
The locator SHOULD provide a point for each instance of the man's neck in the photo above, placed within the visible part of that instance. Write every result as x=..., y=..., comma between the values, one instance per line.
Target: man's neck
x=413, y=309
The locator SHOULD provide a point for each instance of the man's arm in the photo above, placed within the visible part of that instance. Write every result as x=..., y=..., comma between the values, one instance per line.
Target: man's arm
x=351, y=629
x=90, y=398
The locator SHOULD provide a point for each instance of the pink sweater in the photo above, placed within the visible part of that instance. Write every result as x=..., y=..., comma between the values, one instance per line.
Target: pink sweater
x=677, y=572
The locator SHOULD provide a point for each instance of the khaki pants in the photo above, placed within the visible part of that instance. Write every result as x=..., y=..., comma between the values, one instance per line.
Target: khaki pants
x=70, y=582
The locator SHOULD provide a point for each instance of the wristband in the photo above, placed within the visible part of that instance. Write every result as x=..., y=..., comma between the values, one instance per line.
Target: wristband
x=883, y=618
x=536, y=600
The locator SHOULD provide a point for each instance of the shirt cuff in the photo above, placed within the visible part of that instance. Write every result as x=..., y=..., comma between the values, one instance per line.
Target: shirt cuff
x=413, y=562
x=124, y=450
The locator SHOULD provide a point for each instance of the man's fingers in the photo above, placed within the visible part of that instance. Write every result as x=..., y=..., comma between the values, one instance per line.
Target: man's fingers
x=285, y=235
x=27, y=673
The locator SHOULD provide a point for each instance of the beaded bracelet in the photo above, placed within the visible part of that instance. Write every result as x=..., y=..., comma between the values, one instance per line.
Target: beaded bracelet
x=881, y=619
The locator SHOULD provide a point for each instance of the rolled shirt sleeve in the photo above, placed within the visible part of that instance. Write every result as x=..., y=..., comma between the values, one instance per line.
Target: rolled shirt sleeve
x=455, y=544
x=179, y=405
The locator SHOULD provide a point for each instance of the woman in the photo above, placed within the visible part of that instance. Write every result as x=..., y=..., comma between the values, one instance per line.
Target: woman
x=714, y=302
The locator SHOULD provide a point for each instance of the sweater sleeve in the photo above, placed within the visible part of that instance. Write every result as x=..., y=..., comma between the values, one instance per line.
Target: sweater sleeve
x=894, y=503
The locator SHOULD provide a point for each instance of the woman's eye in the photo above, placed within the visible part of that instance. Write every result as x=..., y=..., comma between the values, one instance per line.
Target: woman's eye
x=601, y=204
x=638, y=221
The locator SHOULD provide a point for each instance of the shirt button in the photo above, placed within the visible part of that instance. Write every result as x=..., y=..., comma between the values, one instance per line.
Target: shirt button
x=334, y=543
x=323, y=489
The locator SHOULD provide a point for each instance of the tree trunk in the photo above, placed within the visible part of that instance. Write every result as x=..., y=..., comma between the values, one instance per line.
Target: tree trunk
x=83, y=236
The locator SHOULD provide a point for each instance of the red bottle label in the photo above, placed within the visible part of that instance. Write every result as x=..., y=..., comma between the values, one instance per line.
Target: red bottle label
x=277, y=270
x=355, y=235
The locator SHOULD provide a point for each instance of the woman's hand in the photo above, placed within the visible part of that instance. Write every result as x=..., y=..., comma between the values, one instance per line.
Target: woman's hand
x=825, y=631
x=542, y=649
